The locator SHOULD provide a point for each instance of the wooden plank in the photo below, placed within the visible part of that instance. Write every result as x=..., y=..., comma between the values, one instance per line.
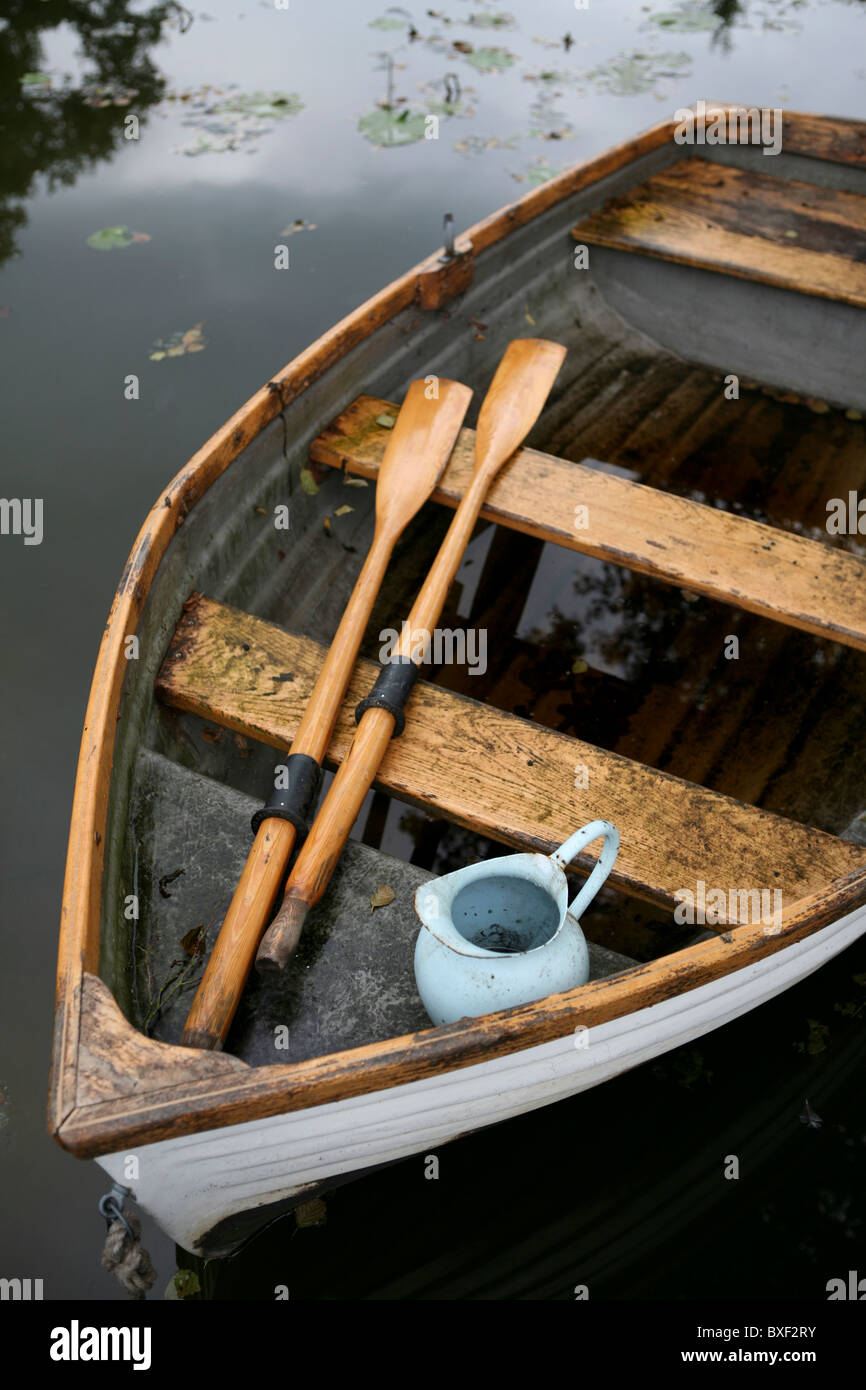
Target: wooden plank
x=796, y=581
x=499, y=775
x=824, y=137
x=698, y=212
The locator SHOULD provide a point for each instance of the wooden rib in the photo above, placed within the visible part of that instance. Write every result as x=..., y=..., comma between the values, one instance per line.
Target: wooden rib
x=796, y=581
x=499, y=775
x=793, y=235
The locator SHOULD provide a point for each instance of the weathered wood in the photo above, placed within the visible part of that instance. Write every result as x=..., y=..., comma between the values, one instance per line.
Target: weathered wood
x=824, y=137
x=500, y=775
x=698, y=212
x=775, y=573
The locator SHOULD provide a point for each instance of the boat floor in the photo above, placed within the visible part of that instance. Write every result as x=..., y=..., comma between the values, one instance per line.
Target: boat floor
x=352, y=980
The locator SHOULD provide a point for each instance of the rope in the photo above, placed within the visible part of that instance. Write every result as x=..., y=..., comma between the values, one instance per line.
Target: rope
x=123, y=1255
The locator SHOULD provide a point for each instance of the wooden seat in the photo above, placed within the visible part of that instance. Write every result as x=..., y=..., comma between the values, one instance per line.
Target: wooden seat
x=499, y=775
x=783, y=576
x=699, y=212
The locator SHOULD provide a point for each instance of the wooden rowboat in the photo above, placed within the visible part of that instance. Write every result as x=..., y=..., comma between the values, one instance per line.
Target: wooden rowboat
x=705, y=428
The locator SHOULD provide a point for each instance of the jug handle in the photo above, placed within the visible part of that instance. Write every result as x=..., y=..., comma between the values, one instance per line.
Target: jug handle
x=572, y=847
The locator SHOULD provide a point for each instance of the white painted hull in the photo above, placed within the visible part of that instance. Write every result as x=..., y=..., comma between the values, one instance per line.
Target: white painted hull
x=190, y=1184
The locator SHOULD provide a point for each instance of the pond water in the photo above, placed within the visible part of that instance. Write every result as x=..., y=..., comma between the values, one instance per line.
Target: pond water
x=145, y=248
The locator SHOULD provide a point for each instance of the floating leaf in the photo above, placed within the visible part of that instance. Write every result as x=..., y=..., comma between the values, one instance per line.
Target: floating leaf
x=382, y=897
x=313, y=1213
x=386, y=421
x=491, y=59
x=628, y=74
x=578, y=667
x=36, y=79
x=186, y=1283
x=308, y=482
x=688, y=19
x=179, y=344
x=299, y=225
x=387, y=22
x=497, y=20
x=114, y=238
x=386, y=126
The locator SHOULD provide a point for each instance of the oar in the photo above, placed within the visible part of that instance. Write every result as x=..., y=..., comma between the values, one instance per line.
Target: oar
x=417, y=451
x=512, y=405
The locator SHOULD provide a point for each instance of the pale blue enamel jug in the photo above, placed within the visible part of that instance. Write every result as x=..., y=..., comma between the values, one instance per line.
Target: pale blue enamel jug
x=502, y=932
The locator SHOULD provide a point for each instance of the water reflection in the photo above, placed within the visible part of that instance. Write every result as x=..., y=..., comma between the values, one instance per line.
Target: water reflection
x=61, y=128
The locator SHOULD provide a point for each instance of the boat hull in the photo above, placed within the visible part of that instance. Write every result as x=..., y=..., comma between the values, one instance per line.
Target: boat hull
x=205, y=1190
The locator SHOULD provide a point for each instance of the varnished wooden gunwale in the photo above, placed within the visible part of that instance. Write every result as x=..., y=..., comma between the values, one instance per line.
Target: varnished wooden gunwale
x=781, y=575
x=89, y=1128
x=175, y=1091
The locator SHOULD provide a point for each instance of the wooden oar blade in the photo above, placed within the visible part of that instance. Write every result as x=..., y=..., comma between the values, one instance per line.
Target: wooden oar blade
x=420, y=446
x=518, y=391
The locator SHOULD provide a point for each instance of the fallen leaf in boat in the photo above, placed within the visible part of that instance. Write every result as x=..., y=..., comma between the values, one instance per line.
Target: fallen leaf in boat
x=355, y=482
x=114, y=238
x=809, y=1117
x=482, y=327
x=386, y=421
x=792, y=234
x=262, y=511
x=849, y=414
x=166, y=880
x=326, y=526
x=157, y=356
x=211, y=735
x=313, y=1213
x=529, y=319
x=578, y=667
x=194, y=941
x=308, y=482
x=344, y=510
x=242, y=745
x=819, y=407
x=382, y=897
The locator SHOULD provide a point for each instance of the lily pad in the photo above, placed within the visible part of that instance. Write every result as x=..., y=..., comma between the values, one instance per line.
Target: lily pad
x=495, y=20
x=36, y=79
x=491, y=59
x=688, y=19
x=629, y=74
x=387, y=21
x=386, y=126
x=114, y=238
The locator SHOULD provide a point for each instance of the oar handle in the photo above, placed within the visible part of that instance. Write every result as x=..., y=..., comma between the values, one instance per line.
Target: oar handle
x=315, y=864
